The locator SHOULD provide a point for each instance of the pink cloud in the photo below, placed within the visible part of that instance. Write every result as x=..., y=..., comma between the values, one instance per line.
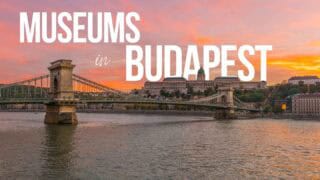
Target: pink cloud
x=290, y=26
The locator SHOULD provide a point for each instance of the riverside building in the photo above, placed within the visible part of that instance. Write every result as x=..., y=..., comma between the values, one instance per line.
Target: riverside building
x=173, y=84
x=304, y=80
x=306, y=104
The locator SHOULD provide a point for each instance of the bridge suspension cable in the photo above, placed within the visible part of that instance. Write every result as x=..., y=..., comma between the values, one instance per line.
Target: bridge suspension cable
x=82, y=84
x=206, y=99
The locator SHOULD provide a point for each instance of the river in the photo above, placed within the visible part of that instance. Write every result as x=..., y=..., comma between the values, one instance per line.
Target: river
x=126, y=146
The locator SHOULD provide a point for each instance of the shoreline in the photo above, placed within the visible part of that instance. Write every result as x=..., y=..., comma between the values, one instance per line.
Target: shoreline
x=157, y=112
x=294, y=117
x=183, y=113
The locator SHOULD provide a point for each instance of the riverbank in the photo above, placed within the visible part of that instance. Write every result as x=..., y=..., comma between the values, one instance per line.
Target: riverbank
x=294, y=116
x=149, y=112
x=157, y=112
x=181, y=113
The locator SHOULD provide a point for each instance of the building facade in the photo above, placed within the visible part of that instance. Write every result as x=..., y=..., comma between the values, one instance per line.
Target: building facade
x=304, y=80
x=173, y=84
x=306, y=104
x=169, y=84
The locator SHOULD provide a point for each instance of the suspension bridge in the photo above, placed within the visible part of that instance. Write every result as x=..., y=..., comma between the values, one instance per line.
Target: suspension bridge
x=64, y=89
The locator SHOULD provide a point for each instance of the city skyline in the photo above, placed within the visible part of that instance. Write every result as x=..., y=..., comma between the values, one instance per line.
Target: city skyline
x=291, y=27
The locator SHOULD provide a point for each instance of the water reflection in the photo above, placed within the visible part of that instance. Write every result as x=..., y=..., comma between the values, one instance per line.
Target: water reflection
x=120, y=146
x=58, y=151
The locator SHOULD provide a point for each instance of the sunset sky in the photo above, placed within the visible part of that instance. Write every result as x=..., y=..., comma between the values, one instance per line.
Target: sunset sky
x=292, y=27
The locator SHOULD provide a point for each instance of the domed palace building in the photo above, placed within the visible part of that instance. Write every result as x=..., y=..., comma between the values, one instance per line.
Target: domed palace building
x=172, y=84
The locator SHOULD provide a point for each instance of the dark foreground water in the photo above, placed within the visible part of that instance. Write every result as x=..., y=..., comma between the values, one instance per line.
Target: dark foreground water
x=121, y=146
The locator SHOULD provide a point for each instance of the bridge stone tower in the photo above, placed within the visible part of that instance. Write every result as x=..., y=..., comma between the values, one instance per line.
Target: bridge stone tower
x=226, y=99
x=61, y=107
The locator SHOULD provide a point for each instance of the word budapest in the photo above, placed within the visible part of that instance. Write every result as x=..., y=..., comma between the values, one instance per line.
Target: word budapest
x=79, y=27
x=221, y=56
x=106, y=27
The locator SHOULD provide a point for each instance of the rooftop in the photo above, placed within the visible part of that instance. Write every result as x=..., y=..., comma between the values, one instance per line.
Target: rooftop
x=307, y=95
x=227, y=78
x=303, y=77
x=174, y=79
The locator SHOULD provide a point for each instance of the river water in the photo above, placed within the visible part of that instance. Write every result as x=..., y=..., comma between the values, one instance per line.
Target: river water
x=126, y=146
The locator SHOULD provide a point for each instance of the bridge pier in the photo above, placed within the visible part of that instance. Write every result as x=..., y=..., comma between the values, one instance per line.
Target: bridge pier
x=61, y=107
x=226, y=98
x=225, y=114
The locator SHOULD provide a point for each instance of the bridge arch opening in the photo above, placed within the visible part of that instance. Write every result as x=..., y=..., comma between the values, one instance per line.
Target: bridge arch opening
x=55, y=84
x=224, y=99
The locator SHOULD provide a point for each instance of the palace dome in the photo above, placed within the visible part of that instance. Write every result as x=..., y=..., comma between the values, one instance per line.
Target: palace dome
x=200, y=71
x=201, y=75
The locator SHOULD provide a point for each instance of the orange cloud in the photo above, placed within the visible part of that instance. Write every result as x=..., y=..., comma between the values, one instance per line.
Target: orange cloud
x=115, y=76
x=123, y=86
x=202, y=40
x=298, y=62
x=314, y=43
